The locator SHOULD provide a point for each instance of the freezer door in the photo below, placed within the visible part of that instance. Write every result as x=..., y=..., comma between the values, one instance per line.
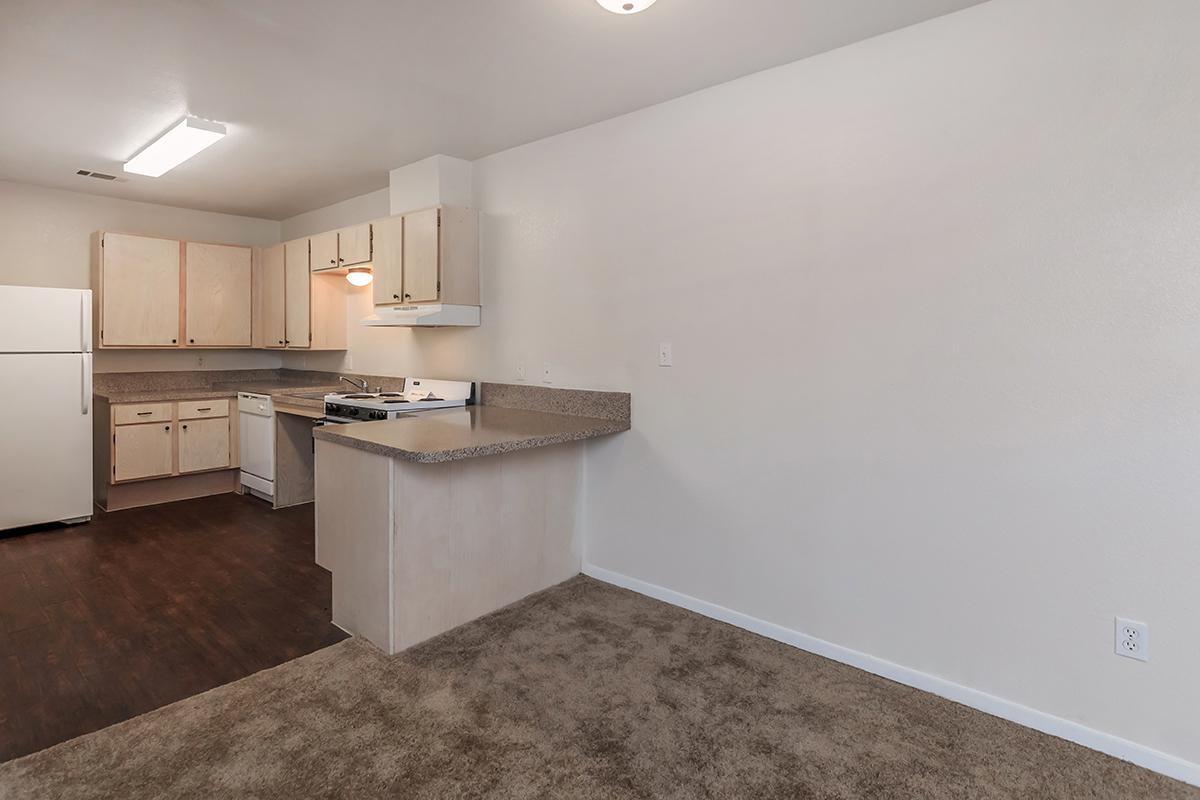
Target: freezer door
x=46, y=438
x=35, y=320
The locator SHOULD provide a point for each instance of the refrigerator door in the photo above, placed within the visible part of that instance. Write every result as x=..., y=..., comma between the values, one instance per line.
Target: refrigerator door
x=46, y=436
x=35, y=320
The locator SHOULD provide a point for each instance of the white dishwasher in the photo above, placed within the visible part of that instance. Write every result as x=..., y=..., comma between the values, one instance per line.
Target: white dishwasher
x=256, y=440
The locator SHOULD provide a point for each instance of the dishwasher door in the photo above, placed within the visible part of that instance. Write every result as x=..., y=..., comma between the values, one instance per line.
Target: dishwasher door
x=256, y=440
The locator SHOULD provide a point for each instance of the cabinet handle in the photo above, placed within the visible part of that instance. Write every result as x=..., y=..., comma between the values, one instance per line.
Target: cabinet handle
x=144, y=413
x=185, y=427
x=191, y=341
x=332, y=261
x=202, y=409
x=166, y=427
x=395, y=297
x=341, y=259
x=173, y=341
x=281, y=341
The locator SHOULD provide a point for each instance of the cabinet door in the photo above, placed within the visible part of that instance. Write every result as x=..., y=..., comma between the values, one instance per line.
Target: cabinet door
x=324, y=247
x=299, y=298
x=421, y=256
x=143, y=451
x=273, y=296
x=388, y=264
x=354, y=245
x=218, y=295
x=139, y=291
x=203, y=444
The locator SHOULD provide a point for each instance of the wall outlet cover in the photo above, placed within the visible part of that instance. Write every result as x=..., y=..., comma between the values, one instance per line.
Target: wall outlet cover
x=1131, y=639
x=547, y=377
x=664, y=354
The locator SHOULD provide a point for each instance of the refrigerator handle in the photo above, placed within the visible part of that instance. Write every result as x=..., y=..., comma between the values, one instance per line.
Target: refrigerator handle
x=85, y=323
x=86, y=400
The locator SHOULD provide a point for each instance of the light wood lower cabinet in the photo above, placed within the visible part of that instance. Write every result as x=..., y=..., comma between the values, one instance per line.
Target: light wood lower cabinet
x=143, y=451
x=185, y=437
x=203, y=444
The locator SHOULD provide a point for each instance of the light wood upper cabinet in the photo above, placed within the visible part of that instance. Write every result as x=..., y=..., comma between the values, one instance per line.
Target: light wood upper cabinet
x=137, y=290
x=354, y=245
x=429, y=256
x=274, y=296
x=324, y=251
x=203, y=444
x=421, y=256
x=388, y=266
x=218, y=297
x=143, y=451
x=298, y=333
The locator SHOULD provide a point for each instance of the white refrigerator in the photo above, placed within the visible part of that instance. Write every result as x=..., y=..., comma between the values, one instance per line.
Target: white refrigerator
x=46, y=402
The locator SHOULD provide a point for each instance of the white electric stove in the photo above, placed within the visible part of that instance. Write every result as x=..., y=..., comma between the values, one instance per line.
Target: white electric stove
x=420, y=394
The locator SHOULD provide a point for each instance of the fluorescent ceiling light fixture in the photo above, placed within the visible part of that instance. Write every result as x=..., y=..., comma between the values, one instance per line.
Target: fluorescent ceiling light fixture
x=359, y=276
x=626, y=6
x=188, y=137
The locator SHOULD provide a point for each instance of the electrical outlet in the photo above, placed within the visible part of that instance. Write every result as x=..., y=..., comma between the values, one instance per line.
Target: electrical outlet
x=199, y=361
x=547, y=378
x=521, y=370
x=1131, y=639
x=664, y=354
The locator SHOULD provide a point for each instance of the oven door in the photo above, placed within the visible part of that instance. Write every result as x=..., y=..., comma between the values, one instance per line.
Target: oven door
x=329, y=420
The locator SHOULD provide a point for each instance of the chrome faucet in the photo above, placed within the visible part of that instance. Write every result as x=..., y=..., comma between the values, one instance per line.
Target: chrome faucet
x=357, y=383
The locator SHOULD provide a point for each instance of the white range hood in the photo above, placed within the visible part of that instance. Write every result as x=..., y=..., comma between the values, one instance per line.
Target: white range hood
x=430, y=315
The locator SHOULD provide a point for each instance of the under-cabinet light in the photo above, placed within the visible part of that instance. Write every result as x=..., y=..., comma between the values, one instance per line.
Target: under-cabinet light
x=359, y=276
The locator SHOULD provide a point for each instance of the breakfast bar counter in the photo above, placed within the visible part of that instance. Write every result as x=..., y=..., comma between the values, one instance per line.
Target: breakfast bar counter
x=433, y=519
x=456, y=433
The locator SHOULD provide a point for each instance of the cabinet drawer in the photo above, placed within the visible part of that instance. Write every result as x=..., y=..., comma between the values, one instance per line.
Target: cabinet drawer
x=141, y=412
x=199, y=409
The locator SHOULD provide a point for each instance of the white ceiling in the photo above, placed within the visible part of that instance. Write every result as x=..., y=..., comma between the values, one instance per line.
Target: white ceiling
x=322, y=98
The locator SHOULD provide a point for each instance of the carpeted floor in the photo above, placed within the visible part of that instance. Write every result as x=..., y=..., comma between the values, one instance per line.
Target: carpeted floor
x=583, y=691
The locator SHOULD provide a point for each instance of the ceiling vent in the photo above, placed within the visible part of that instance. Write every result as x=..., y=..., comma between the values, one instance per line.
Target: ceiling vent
x=97, y=175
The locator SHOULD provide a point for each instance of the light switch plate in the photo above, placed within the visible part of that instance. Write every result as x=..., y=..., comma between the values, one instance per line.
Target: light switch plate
x=546, y=373
x=664, y=354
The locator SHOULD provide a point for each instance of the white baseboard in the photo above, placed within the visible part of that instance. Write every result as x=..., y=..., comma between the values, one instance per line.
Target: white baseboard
x=1115, y=746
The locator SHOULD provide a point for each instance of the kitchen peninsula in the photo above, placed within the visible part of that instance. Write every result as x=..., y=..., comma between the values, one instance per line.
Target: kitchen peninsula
x=435, y=519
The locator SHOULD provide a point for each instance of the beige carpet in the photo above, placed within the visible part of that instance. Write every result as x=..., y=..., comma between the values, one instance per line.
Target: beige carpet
x=584, y=691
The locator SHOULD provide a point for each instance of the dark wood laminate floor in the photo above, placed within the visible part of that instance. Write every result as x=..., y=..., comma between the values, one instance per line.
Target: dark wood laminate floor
x=140, y=608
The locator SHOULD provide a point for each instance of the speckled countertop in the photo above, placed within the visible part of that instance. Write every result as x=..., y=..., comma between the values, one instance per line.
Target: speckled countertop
x=281, y=389
x=457, y=433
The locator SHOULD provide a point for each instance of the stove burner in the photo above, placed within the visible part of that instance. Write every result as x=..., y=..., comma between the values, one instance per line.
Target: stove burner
x=401, y=400
x=357, y=396
x=391, y=394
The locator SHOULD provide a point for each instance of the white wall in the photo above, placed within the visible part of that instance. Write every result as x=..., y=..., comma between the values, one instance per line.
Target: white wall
x=935, y=308
x=45, y=236
x=372, y=205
